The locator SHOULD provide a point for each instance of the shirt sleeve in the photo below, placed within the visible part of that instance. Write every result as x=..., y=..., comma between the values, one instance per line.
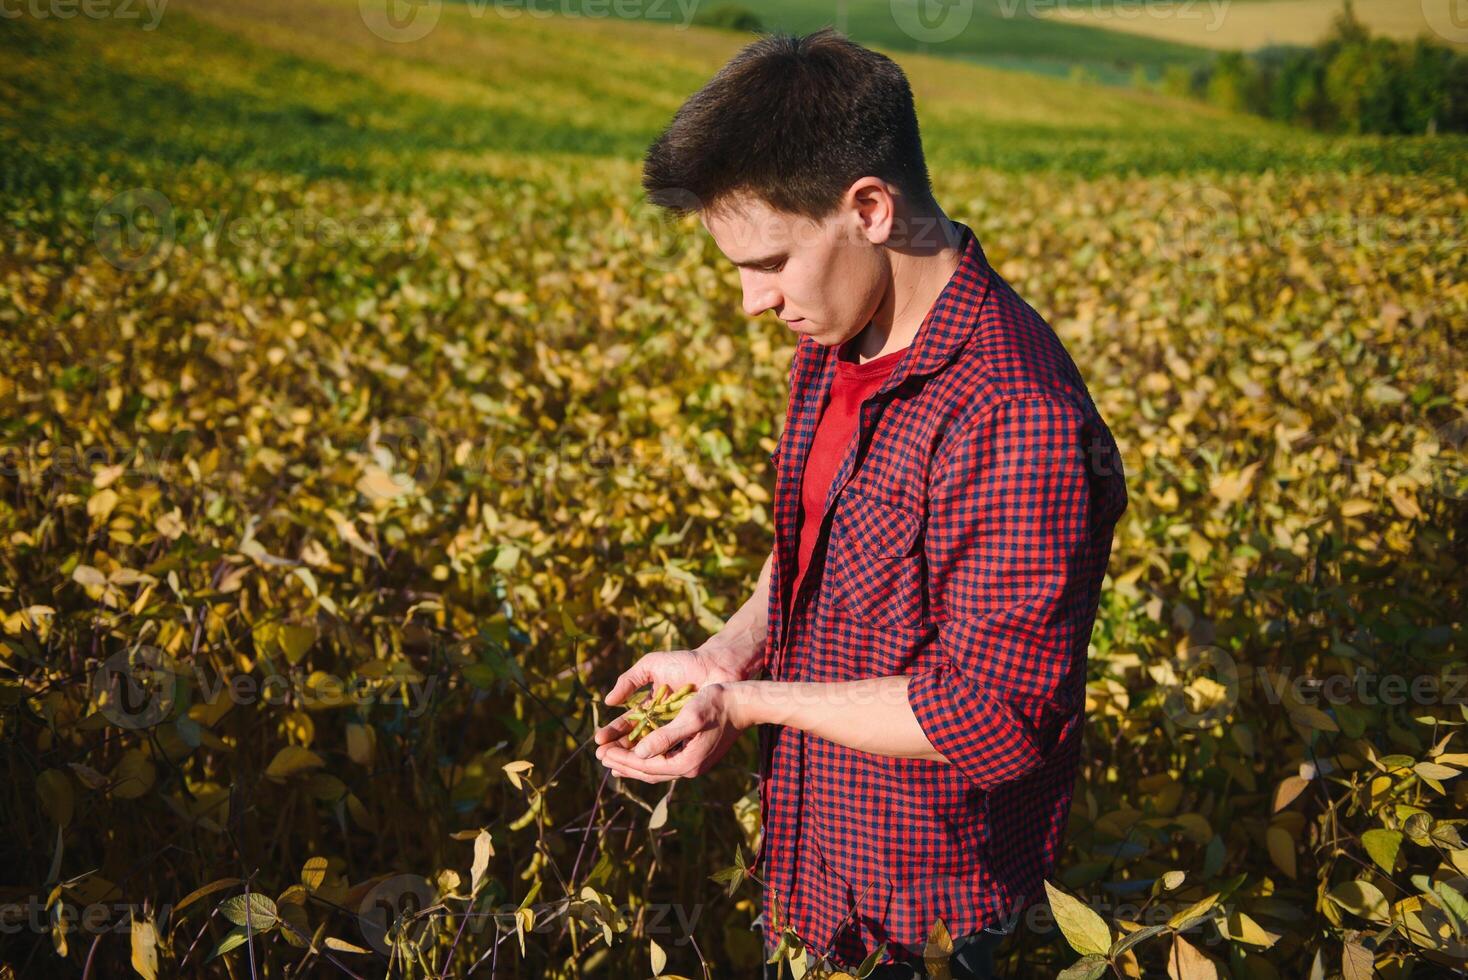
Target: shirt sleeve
x=1012, y=587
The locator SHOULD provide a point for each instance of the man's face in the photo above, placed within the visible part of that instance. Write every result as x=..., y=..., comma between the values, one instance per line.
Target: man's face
x=825, y=277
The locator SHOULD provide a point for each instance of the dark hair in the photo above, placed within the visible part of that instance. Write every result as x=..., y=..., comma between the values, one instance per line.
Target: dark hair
x=794, y=120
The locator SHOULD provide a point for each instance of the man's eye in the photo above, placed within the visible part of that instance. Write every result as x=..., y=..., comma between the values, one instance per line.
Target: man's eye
x=773, y=268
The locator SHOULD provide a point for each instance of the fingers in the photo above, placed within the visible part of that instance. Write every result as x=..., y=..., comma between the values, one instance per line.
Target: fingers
x=644, y=777
x=652, y=754
x=655, y=743
x=613, y=730
x=632, y=678
x=623, y=763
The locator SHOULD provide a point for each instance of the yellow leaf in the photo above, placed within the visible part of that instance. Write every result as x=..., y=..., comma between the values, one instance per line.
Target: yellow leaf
x=1357, y=962
x=1288, y=790
x=107, y=475
x=290, y=761
x=313, y=873
x=1281, y=849
x=361, y=742
x=377, y=483
x=1086, y=931
x=483, y=851
x=348, y=532
x=1361, y=898
x=1309, y=716
x=204, y=891
x=145, y=948
x=1187, y=962
x=1200, y=907
x=660, y=813
x=513, y=770
x=101, y=504
x=87, y=576
x=170, y=525
x=1230, y=487
x=1241, y=928
x=1432, y=770
x=524, y=919
x=295, y=641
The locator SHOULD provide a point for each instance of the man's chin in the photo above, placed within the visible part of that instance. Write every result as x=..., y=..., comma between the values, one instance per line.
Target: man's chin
x=818, y=334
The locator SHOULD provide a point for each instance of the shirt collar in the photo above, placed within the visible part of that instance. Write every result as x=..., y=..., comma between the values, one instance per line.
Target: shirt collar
x=951, y=320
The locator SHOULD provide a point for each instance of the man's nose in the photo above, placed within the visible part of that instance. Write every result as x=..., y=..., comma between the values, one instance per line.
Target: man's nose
x=759, y=298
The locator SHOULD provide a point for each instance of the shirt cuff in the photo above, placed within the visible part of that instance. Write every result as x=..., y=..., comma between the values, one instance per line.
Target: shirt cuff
x=974, y=730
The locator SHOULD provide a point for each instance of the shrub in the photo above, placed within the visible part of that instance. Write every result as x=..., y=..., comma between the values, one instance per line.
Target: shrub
x=730, y=17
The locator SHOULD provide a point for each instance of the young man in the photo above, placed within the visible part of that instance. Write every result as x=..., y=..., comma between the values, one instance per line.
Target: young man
x=914, y=655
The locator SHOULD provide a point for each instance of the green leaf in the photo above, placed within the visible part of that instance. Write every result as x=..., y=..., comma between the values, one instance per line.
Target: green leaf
x=232, y=940
x=1132, y=938
x=1452, y=900
x=870, y=963
x=1086, y=968
x=294, y=641
x=1383, y=846
x=259, y=909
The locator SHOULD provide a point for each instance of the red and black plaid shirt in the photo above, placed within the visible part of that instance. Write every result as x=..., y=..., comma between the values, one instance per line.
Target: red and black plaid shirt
x=964, y=541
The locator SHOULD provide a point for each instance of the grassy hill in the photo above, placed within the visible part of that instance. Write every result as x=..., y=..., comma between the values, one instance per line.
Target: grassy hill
x=305, y=88
x=1006, y=33
x=1254, y=23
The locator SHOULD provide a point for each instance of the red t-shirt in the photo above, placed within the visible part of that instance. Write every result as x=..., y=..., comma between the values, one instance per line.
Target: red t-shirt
x=850, y=386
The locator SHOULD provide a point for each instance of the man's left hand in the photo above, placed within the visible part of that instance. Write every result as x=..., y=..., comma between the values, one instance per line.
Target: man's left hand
x=689, y=745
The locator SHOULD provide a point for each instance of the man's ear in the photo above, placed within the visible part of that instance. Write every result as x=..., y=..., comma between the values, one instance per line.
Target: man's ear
x=872, y=208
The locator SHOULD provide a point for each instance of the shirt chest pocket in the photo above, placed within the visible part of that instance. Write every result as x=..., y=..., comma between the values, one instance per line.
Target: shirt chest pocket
x=875, y=561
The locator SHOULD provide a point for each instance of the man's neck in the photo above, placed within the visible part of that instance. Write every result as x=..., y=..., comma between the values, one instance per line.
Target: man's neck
x=921, y=264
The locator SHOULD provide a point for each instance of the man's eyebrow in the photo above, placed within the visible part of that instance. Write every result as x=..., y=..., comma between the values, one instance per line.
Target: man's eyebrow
x=770, y=259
